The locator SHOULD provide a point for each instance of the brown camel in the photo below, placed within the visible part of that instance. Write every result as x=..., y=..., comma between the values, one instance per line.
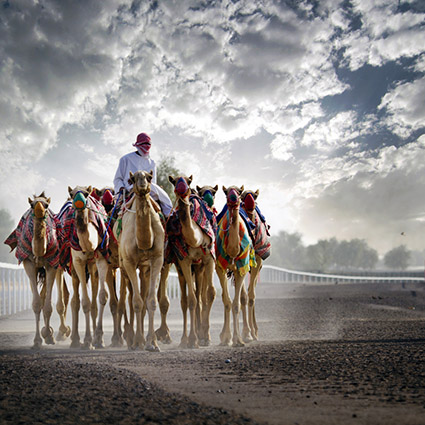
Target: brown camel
x=86, y=251
x=117, y=305
x=234, y=254
x=37, y=248
x=192, y=244
x=141, y=246
x=261, y=244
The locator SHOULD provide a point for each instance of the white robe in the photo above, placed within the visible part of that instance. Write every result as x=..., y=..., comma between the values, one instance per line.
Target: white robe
x=134, y=162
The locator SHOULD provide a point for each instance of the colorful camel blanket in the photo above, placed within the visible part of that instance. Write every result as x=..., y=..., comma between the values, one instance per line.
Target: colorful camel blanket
x=246, y=257
x=21, y=238
x=175, y=246
x=68, y=231
x=260, y=239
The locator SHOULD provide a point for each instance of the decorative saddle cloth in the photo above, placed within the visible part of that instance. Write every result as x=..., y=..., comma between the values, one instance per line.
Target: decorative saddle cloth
x=21, y=238
x=175, y=245
x=68, y=231
x=262, y=245
x=246, y=257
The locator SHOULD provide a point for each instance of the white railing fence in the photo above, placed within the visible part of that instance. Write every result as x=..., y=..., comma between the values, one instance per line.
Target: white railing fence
x=16, y=294
x=15, y=290
x=272, y=274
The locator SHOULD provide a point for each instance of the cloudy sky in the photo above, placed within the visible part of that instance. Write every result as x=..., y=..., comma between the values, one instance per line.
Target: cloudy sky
x=319, y=104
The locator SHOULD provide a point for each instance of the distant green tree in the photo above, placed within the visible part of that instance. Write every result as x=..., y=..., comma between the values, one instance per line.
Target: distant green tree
x=165, y=168
x=397, y=258
x=6, y=227
x=321, y=256
x=355, y=254
x=287, y=250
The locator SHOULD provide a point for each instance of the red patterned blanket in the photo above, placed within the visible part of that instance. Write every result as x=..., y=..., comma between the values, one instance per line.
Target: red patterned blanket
x=176, y=248
x=21, y=238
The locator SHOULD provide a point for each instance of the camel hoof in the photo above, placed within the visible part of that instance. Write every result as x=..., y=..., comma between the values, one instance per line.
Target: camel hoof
x=193, y=345
x=87, y=346
x=152, y=348
x=50, y=340
x=224, y=344
x=116, y=343
x=75, y=344
x=163, y=335
x=238, y=343
x=247, y=339
x=204, y=342
x=37, y=345
x=63, y=335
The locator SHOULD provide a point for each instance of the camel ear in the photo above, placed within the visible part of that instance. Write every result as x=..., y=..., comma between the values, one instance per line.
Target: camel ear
x=224, y=190
x=189, y=180
x=215, y=188
x=172, y=180
x=131, y=179
x=242, y=188
x=30, y=201
x=89, y=189
x=150, y=176
x=48, y=201
x=198, y=189
x=257, y=192
x=69, y=190
x=42, y=195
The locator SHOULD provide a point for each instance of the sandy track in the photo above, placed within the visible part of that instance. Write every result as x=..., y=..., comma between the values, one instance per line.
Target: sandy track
x=328, y=354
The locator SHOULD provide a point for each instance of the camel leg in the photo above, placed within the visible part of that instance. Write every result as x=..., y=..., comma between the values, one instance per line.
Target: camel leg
x=144, y=278
x=163, y=332
x=155, y=270
x=254, y=275
x=190, y=284
x=31, y=271
x=207, y=298
x=102, y=268
x=127, y=332
x=94, y=278
x=183, y=304
x=137, y=302
x=61, y=305
x=246, y=333
x=116, y=340
x=236, y=306
x=79, y=261
x=75, y=308
x=47, y=330
x=225, y=335
x=198, y=275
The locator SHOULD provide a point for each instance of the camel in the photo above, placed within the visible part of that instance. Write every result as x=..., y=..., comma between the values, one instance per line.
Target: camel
x=141, y=246
x=86, y=251
x=191, y=242
x=117, y=305
x=37, y=248
x=235, y=254
x=262, y=251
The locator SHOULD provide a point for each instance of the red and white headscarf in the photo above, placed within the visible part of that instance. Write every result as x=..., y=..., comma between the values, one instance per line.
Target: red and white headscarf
x=143, y=143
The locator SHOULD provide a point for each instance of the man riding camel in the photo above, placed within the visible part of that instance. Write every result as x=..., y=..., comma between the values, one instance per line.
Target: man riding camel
x=140, y=160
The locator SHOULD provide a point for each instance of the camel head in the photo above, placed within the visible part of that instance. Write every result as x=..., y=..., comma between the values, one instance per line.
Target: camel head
x=141, y=181
x=249, y=199
x=207, y=193
x=106, y=196
x=39, y=205
x=181, y=185
x=233, y=196
x=79, y=195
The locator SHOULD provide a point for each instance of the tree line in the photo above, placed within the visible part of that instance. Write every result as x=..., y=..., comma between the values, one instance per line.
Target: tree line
x=288, y=251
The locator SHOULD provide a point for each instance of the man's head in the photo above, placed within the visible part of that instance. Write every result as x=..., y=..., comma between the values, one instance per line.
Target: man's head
x=143, y=143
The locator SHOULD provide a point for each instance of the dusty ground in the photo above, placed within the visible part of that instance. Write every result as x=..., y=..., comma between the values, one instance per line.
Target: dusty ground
x=337, y=354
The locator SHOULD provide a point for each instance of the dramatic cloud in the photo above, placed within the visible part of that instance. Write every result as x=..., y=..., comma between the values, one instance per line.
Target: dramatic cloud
x=316, y=104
